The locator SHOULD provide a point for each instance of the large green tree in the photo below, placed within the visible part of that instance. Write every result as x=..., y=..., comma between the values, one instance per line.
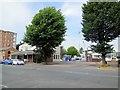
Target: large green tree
x=72, y=51
x=101, y=24
x=46, y=31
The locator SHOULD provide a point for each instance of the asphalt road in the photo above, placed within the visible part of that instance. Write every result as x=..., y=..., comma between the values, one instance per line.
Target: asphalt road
x=68, y=75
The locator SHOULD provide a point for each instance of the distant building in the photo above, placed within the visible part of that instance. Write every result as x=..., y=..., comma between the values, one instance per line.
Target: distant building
x=57, y=56
x=26, y=47
x=27, y=53
x=7, y=39
x=5, y=53
x=7, y=44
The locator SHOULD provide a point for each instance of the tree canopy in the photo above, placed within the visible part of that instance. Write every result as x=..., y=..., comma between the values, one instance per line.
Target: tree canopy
x=101, y=24
x=46, y=31
x=72, y=51
x=81, y=50
x=17, y=45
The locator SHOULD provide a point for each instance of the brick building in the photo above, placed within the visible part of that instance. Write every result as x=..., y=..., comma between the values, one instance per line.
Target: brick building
x=7, y=44
x=7, y=39
x=5, y=53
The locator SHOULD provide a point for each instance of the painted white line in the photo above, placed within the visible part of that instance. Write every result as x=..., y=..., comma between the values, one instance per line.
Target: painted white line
x=4, y=86
x=84, y=73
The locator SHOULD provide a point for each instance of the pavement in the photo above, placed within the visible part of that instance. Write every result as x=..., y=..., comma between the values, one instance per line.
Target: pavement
x=93, y=65
x=59, y=75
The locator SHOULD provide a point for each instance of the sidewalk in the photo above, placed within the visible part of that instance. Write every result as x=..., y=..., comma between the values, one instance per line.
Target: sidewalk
x=79, y=64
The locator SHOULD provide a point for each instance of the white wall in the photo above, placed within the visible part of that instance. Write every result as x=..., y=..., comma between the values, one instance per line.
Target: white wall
x=119, y=44
x=25, y=47
x=57, y=54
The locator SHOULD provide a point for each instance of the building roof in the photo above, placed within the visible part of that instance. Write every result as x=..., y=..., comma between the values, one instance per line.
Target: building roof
x=6, y=48
x=7, y=31
x=30, y=52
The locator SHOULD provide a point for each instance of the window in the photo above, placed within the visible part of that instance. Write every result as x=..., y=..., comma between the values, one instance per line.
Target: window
x=9, y=52
x=8, y=45
x=54, y=56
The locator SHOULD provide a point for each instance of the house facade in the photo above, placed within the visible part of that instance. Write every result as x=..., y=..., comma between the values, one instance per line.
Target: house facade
x=57, y=56
x=27, y=53
x=5, y=53
x=26, y=47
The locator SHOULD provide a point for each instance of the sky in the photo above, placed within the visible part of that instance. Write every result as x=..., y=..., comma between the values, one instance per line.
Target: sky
x=15, y=16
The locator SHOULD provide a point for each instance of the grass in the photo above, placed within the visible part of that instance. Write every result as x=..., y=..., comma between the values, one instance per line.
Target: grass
x=104, y=66
x=113, y=61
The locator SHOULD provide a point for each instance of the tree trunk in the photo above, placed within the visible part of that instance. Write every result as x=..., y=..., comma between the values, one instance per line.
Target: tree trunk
x=46, y=61
x=103, y=59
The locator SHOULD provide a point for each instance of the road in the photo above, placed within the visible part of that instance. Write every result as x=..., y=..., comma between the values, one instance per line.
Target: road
x=68, y=75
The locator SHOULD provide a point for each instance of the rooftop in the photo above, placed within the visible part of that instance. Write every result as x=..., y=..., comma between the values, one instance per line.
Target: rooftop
x=7, y=31
x=3, y=49
x=30, y=52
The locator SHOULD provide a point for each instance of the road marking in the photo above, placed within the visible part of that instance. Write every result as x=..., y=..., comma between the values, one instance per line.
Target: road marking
x=82, y=73
x=91, y=74
x=4, y=86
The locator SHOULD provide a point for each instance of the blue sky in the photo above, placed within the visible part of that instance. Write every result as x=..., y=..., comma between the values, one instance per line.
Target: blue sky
x=15, y=16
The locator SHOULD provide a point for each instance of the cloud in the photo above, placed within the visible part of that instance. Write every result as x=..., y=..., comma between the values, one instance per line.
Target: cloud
x=72, y=9
x=71, y=42
x=14, y=14
x=14, y=17
x=73, y=15
x=75, y=41
x=115, y=44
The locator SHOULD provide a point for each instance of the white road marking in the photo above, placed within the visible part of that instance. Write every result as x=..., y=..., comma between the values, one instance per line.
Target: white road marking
x=4, y=86
x=82, y=73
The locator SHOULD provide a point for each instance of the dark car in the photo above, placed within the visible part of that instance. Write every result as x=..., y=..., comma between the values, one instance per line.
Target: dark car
x=8, y=61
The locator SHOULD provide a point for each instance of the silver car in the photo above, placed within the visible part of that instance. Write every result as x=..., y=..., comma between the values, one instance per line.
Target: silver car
x=18, y=62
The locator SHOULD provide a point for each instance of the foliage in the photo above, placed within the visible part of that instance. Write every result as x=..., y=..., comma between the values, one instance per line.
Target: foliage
x=72, y=51
x=104, y=66
x=19, y=44
x=64, y=51
x=101, y=25
x=46, y=31
x=81, y=50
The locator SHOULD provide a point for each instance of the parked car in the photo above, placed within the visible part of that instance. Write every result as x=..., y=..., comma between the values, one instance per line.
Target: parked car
x=115, y=58
x=18, y=62
x=1, y=61
x=8, y=61
x=78, y=58
x=108, y=59
x=73, y=59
